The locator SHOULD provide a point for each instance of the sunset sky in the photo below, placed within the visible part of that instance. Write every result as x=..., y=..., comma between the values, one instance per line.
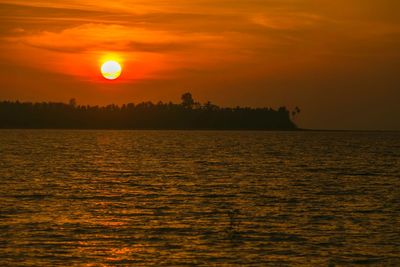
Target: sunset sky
x=339, y=61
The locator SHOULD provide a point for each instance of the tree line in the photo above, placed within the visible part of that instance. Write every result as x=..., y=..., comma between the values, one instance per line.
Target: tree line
x=189, y=114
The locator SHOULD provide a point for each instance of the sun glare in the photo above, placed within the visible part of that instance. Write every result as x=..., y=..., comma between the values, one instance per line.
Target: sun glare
x=111, y=70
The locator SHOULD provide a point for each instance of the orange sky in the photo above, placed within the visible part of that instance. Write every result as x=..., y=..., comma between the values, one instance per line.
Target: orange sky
x=338, y=60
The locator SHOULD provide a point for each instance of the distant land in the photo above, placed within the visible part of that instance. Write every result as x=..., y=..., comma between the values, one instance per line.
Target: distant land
x=187, y=115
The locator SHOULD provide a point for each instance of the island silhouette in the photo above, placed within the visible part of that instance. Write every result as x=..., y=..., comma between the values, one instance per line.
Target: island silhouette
x=187, y=115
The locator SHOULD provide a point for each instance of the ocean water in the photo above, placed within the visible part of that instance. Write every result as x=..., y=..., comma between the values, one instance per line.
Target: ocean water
x=176, y=198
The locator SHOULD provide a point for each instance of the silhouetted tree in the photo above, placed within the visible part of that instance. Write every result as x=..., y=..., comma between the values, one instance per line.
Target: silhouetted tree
x=187, y=100
x=210, y=106
x=72, y=102
x=144, y=115
x=296, y=111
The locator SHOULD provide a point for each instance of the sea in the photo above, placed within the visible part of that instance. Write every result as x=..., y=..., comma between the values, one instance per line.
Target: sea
x=199, y=198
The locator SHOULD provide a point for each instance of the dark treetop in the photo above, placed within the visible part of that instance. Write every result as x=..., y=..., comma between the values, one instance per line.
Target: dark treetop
x=187, y=115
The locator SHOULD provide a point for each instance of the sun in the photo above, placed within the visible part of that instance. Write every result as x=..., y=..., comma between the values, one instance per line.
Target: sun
x=111, y=70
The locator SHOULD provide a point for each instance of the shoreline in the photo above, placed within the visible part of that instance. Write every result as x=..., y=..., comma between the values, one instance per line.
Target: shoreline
x=199, y=130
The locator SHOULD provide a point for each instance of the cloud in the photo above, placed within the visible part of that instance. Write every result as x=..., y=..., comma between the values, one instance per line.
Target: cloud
x=286, y=21
x=18, y=30
x=78, y=51
x=95, y=37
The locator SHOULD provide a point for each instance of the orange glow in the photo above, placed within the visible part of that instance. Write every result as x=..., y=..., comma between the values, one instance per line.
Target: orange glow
x=303, y=53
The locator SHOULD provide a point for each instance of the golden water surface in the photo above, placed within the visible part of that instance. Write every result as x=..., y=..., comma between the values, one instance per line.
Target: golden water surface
x=170, y=198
